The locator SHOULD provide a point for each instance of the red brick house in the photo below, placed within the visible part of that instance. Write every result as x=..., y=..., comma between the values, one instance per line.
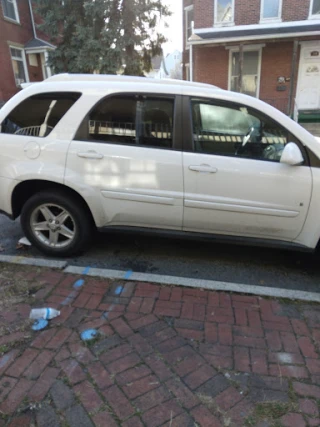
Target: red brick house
x=264, y=48
x=23, y=51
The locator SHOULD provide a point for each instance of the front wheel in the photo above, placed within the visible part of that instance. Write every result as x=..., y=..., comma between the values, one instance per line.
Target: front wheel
x=56, y=224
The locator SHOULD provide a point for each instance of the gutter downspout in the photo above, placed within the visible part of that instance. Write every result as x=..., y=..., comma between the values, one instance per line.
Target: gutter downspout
x=191, y=54
x=293, y=78
x=32, y=20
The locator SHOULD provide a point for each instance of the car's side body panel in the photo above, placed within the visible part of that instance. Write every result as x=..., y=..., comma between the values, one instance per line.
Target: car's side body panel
x=7, y=186
x=246, y=197
x=135, y=186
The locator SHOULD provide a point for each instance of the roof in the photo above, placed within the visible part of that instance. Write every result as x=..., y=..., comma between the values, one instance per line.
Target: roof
x=36, y=43
x=96, y=87
x=261, y=30
x=65, y=77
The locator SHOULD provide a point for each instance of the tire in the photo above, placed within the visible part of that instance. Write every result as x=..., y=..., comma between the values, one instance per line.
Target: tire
x=56, y=224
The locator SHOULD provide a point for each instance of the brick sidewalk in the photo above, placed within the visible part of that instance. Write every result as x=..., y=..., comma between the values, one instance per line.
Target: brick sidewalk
x=166, y=356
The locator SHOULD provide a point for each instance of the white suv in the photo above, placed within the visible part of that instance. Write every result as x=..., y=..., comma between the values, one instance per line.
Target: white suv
x=85, y=151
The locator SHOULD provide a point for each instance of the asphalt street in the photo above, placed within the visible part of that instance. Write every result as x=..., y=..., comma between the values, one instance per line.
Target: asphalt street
x=195, y=259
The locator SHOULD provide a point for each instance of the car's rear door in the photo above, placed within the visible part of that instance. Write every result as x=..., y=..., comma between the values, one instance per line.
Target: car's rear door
x=128, y=150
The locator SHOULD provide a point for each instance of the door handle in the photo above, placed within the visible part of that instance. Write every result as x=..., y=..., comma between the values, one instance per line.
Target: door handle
x=203, y=168
x=90, y=155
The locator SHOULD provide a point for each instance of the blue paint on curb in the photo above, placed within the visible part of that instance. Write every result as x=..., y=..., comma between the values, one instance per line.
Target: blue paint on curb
x=78, y=284
x=40, y=324
x=118, y=290
x=89, y=334
x=86, y=270
x=128, y=274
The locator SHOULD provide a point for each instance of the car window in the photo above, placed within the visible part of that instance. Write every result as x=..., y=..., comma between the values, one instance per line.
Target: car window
x=39, y=114
x=145, y=121
x=232, y=130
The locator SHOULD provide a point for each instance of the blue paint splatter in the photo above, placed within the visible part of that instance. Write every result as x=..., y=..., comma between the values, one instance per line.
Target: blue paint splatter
x=105, y=315
x=128, y=274
x=89, y=334
x=86, y=271
x=118, y=290
x=40, y=324
x=4, y=360
x=78, y=284
x=69, y=298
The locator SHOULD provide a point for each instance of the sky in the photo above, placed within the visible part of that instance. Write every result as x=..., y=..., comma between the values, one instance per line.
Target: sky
x=174, y=32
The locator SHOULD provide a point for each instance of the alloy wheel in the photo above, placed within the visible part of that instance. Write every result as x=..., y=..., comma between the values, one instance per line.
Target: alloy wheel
x=53, y=225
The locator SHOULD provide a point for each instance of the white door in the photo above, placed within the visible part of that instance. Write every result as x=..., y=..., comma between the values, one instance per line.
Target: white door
x=125, y=151
x=308, y=92
x=234, y=182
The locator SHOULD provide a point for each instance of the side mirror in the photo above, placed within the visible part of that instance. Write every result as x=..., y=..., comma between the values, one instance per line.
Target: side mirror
x=292, y=155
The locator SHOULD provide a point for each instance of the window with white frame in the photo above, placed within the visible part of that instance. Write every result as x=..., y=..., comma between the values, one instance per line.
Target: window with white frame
x=315, y=9
x=189, y=18
x=271, y=10
x=250, y=72
x=10, y=9
x=224, y=12
x=19, y=65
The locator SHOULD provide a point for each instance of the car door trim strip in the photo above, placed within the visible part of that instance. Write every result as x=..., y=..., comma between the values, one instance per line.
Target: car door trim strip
x=239, y=208
x=134, y=197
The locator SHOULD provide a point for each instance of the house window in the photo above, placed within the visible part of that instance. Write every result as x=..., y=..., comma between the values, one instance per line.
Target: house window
x=271, y=10
x=250, y=72
x=19, y=65
x=315, y=9
x=224, y=12
x=10, y=10
x=189, y=19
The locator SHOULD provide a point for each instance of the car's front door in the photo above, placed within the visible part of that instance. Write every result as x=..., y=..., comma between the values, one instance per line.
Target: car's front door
x=234, y=181
x=127, y=151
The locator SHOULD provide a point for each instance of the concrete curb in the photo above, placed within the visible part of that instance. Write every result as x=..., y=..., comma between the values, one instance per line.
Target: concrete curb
x=164, y=280
x=197, y=283
x=37, y=262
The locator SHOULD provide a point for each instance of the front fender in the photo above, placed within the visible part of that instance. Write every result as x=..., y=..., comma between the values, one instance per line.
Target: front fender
x=310, y=233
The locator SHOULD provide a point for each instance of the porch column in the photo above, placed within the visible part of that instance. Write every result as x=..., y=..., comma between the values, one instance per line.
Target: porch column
x=240, y=67
x=191, y=62
x=46, y=57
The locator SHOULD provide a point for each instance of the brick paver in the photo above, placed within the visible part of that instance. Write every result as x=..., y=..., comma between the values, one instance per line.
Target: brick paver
x=164, y=356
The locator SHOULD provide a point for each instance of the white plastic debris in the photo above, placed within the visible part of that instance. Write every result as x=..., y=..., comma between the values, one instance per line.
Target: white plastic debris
x=44, y=313
x=24, y=241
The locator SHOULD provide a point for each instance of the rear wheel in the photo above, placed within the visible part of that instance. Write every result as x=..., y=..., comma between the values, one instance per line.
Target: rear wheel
x=56, y=224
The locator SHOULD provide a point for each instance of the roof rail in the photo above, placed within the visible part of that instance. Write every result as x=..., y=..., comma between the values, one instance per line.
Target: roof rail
x=25, y=85
x=66, y=77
